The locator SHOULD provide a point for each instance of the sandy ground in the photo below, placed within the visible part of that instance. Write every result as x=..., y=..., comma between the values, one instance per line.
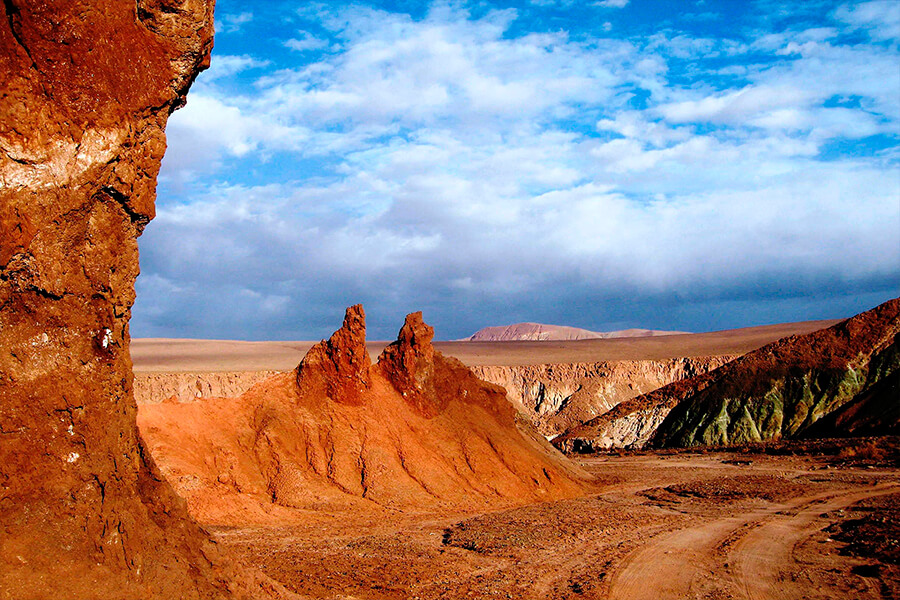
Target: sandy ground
x=664, y=526
x=179, y=355
x=758, y=524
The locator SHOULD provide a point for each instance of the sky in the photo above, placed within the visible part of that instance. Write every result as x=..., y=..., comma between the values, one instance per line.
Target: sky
x=688, y=165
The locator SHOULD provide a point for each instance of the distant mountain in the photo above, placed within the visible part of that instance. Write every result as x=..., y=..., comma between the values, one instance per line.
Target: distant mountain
x=532, y=332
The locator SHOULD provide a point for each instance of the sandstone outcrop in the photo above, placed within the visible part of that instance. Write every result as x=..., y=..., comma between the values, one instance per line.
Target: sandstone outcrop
x=839, y=380
x=415, y=431
x=520, y=332
x=87, y=89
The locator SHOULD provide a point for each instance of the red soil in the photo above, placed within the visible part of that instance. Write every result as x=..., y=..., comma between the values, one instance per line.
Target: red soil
x=415, y=431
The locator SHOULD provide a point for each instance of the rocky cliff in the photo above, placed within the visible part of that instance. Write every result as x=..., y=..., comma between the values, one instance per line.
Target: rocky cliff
x=414, y=431
x=557, y=397
x=87, y=89
x=839, y=380
x=150, y=388
x=553, y=397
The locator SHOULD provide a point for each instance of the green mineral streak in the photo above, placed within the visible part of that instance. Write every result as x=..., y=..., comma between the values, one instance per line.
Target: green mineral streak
x=717, y=431
x=790, y=406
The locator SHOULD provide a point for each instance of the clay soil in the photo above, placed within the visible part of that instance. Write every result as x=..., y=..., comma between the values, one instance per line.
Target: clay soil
x=808, y=520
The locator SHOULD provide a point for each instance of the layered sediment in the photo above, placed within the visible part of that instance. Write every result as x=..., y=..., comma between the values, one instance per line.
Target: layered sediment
x=87, y=89
x=553, y=397
x=557, y=397
x=150, y=388
x=841, y=380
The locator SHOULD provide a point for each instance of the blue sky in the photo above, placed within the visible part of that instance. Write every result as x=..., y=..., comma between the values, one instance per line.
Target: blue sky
x=692, y=165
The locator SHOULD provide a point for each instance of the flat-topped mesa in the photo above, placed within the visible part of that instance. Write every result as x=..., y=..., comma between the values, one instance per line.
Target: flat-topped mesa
x=338, y=368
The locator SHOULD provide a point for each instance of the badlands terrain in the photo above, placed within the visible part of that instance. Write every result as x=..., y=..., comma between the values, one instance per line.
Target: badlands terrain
x=330, y=475
x=783, y=520
x=557, y=384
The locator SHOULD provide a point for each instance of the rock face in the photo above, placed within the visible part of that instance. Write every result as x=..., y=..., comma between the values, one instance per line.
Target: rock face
x=539, y=332
x=150, y=388
x=87, y=89
x=415, y=431
x=337, y=369
x=839, y=380
x=557, y=397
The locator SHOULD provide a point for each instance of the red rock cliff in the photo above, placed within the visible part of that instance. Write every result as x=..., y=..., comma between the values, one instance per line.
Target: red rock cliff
x=87, y=87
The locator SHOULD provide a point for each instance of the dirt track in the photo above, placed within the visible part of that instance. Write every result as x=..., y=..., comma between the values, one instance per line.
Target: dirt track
x=709, y=526
x=686, y=562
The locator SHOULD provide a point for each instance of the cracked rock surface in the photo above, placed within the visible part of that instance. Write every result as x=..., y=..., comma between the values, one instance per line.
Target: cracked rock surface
x=87, y=87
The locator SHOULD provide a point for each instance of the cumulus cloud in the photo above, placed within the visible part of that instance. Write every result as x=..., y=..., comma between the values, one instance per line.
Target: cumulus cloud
x=487, y=176
x=306, y=42
x=231, y=23
x=880, y=18
x=229, y=65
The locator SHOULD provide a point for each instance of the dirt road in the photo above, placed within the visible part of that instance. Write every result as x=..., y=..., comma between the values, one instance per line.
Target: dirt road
x=712, y=526
x=754, y=549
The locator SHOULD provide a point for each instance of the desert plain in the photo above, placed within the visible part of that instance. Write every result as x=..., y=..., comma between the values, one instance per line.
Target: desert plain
x=793, y=519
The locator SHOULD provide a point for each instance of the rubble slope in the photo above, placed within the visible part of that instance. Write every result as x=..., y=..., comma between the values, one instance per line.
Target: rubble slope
x=414, y=431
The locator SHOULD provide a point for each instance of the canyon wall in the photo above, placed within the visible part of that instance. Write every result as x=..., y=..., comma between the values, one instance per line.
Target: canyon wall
x=87, y=89
x=841, y=380
x=557, y=397
x=150, y=388
x=553, y=397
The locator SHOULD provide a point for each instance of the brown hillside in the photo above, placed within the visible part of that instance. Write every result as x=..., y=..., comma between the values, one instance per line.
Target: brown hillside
x=779, y=390
x=415, y=431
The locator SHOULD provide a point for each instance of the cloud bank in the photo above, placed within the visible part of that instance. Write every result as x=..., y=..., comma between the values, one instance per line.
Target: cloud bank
x=487, y=168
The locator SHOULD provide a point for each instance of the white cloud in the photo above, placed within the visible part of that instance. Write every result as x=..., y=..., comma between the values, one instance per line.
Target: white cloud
x=612, y=3
x=231, y=23
x=224, y=66
x=306, y=42
x=881, y=18
x=734, y=107
x=471, y=166
x=208, y=129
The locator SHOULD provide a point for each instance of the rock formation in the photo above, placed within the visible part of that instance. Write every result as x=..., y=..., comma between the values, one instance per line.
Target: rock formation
x=533, y=332
x=554, y=397
x=839, y=380
x=415, y=431
x=87, y=89
x=557, y=397
x=150, y=388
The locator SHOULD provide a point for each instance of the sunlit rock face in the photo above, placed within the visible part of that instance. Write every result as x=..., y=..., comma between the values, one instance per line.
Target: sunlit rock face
x=87, y=87
x=416, y=431
x=836, y=381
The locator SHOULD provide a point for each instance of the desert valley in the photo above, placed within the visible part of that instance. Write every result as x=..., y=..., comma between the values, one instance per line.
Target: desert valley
x=386, y=505
x=523, y=460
